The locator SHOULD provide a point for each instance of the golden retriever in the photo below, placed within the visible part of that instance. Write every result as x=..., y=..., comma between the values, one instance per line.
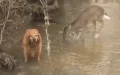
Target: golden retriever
x=32, y=43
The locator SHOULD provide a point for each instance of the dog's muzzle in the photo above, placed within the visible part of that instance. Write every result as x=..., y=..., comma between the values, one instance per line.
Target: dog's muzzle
x=33, y=39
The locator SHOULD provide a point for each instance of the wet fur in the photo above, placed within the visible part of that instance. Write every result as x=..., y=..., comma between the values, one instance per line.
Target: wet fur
x=32, y=49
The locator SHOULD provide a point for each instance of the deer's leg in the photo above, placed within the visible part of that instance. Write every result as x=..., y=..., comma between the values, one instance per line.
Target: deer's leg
x=82, y=32
x=94, y=32
x=102, y=23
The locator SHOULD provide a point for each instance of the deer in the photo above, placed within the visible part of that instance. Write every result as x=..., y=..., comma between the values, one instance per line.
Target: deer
x=92, y=15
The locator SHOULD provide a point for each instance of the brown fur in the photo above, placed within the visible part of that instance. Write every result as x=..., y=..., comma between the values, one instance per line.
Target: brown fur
x=91, y=14
x=37, y=46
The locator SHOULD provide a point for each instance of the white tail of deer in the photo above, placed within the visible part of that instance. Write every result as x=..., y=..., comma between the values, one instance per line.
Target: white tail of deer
x=106, y=16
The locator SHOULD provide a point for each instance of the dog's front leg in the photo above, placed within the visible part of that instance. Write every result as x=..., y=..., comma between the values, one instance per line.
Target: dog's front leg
x=39, y=52
x=25, y=54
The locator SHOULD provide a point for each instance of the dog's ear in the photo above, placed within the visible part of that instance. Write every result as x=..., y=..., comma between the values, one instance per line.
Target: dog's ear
x=39, y=36
x=26, y=36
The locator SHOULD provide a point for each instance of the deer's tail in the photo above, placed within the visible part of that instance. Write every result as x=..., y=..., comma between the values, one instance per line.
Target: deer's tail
x=106, y=16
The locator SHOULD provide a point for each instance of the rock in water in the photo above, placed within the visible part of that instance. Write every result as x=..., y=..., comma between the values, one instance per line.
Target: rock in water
x=7, y=61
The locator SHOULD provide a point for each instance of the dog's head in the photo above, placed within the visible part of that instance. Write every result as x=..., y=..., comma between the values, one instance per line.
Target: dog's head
x=33, y=36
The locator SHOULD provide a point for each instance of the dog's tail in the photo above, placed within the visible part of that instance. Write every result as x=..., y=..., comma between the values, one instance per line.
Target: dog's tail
x=106, y=16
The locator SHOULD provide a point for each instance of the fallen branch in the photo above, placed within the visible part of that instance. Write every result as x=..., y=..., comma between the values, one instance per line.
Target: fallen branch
x=47, y=24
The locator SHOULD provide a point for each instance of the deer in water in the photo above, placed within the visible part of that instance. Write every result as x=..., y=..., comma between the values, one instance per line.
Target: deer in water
x=79, y=25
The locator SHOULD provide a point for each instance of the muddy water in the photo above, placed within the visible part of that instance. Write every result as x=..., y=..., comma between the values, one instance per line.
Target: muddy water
x=92, y=57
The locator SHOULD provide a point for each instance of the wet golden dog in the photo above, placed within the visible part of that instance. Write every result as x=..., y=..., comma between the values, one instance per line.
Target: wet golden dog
x=32, y=44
